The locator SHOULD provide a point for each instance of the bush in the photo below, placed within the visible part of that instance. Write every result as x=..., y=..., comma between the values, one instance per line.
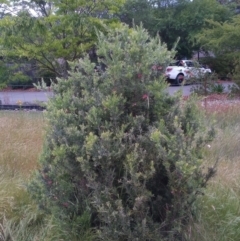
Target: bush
x=208, y=86
x=17, y=73
x=222, y=65
x=19, y=80
x=4, y=75
x=119, y=148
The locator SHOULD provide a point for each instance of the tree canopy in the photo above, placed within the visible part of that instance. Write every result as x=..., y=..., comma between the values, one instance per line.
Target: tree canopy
x=222, y=38
x=55, y=32
x=174, y=19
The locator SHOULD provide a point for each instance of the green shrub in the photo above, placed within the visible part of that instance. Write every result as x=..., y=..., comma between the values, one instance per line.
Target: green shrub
x=222, y=65
x=19, y=80
x=217, y=88
x=235, y=89
x=4, y=75
x=14, y=75
x=226, y=67
x=119, y=148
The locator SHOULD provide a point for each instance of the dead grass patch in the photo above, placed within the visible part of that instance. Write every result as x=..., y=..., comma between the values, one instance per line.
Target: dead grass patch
x=21, y=140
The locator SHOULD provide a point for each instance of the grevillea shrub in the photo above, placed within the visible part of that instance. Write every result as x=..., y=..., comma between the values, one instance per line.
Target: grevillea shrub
x=119, y=149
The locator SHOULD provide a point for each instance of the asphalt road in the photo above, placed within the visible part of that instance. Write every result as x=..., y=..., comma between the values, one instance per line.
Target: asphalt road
x=24, y=97
x=35, y=98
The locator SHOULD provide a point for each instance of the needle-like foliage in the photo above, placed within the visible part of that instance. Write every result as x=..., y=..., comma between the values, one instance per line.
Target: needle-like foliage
x=119, y=148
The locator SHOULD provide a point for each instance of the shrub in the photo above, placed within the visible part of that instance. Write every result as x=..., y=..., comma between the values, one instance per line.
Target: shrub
x=235, y=89
x=17, y=73
x=119, y=149
x=4, y=75
x=217, y=88
x=19, y=80
x=222, y=65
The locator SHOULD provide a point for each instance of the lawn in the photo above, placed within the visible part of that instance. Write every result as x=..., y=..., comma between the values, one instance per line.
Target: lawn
x=217, y=216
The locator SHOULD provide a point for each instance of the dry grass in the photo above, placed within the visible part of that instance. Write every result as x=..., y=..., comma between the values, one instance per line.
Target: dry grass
x=21, y=141
x=218, y=218
x=20, y=217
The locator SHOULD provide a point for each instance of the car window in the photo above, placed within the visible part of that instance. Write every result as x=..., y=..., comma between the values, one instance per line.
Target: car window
x=173, y=64
x=189, y=64
x=181, y=63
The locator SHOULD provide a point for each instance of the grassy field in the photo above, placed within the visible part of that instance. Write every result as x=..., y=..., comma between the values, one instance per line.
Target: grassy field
x=218, y=216
x=21, y=138
x=21, y=141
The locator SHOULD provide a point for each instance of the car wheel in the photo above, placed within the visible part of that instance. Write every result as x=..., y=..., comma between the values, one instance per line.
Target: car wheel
x=179, y=79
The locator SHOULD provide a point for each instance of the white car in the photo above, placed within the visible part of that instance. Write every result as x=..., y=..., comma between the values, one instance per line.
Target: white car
x=182, y=70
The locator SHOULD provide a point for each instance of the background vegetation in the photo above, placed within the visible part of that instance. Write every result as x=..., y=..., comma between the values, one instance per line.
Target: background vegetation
x=48, y=35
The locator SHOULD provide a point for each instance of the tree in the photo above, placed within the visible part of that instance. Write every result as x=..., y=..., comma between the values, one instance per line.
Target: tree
x=119, y=148
x=136, y=12
x=222, y=39
x=185, y=20
x=55, y=32
x=174, y=19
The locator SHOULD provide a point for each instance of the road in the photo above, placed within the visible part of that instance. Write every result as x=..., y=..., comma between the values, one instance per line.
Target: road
x=187, y=89
x=28, y=98
x=24, y=97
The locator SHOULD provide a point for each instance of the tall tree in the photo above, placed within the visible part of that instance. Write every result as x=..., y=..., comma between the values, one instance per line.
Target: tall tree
x=172, y=19
x=55, y=32
x=223, y=40
x=185, y=20
x=138, y=12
